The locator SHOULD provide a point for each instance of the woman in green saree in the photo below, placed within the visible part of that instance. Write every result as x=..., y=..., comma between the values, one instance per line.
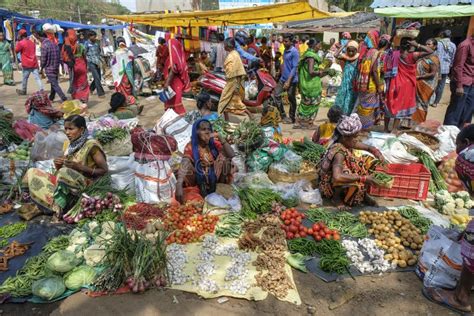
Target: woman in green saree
x=83, y=162
x=310, y=74
x=6, y=60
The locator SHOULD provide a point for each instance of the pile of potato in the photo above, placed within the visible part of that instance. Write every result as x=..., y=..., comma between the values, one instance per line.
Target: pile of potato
x=393, y=233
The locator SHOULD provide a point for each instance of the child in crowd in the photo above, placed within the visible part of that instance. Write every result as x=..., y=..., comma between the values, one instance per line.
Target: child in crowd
x=325, y=131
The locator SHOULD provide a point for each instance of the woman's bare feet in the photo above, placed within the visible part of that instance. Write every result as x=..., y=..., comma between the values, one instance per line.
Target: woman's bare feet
x=447, y=299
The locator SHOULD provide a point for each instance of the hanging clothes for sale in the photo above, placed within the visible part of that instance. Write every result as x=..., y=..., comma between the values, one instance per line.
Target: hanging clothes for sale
x=8, y=30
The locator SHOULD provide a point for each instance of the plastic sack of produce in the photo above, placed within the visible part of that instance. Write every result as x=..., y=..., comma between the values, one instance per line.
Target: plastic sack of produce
x=73, y=107
x=447, y=141
x=26, y=130
x=440, y=261
x=309, y=195
x=154, y=182
x=395, y=152
x=46, y=165
x=121, y=170
x=255, y=180
x=291, y=161
x=175, y=125
x=147, y=145
x=115, y=141
x=446, y=168
x=48, y=145
x=259, y=160
x=290, y=190
x=413, y=142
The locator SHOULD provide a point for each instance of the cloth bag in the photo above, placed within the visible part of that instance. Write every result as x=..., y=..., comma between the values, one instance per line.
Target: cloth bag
x=175, y=125
x=122, y=170
x=155, y=182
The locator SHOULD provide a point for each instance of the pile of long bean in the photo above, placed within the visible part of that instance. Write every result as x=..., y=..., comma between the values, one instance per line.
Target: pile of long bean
x=308, y=150
x=345, y=223
x=307, y=247
x=383, y=179
x=230, y=225
x=333, y=256
x=420, y=222
x=33, y=269
x=257, y=201
x=10, y=230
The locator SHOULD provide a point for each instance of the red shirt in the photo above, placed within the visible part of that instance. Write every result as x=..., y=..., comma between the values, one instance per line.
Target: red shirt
x=463, y=68
x=27, y=49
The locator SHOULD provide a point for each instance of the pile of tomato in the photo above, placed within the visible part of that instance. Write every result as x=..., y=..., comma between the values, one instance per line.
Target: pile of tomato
x=187, y=224
x=293, y=227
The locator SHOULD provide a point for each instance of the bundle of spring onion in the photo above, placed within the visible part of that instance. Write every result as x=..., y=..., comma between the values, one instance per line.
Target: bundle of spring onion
x=438, y=181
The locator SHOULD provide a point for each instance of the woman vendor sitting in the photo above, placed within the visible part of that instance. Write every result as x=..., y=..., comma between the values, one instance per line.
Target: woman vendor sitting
x=343, y=175
x=271, y=118
x=120, y=108
x=204, y=111
x=40, y=110
x=325, y=132
x=83, y=162
x=206, y=162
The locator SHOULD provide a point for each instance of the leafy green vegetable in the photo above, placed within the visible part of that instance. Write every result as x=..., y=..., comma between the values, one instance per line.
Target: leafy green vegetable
x=61, y=261
x=79, y=277
x=297, y=261
x=49, y=288
x=107, y=136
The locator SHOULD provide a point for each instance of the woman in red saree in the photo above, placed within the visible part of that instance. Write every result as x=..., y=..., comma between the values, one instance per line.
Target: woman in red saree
x=74, y=55
x=401, y=94
x=176, y=75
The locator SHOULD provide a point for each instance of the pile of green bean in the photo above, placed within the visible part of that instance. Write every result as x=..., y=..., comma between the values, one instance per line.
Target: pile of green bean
x=10, y=230
x=230, y=225
x=420, y=222
x=345, y=223
x=333, y=256
x=303, y=246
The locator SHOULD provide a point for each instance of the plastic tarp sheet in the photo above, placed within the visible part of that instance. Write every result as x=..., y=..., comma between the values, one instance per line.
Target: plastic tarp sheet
x=222, y=263
x=38, y=232
x=275, y=13
x=68, y=24
x=442, y=11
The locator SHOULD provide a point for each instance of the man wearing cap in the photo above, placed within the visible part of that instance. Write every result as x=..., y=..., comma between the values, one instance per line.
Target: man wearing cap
x=50, y=59
x=29, y=62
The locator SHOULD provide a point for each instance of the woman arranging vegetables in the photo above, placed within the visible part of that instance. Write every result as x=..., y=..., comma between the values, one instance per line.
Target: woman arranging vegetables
x=206, y=162
x=343, y=176
x=83, y=162
x=120, y=108
x=40, y=110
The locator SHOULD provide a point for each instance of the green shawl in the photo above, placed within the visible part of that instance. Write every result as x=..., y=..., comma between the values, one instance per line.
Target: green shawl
x=310, y=87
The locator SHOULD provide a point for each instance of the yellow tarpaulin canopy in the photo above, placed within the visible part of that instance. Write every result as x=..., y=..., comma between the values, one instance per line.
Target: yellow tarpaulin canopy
x=275, y=13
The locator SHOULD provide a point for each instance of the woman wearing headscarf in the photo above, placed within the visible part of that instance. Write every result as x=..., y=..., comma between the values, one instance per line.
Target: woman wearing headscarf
x=120, y=109
x=368, y=84
x=401, y=94
x=6, y=60
x=83, y=163
x=40, y=110
x=427, y=72
x=176, y=75
x=74, y=55
x=122, y=71
x=204, y=110
x=309, y=79
x=344, y=175
x=346, y=95
x=206, y=162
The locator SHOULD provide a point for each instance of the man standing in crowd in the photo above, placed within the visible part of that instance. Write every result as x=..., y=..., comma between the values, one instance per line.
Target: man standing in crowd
x=289, y=79
x=29, y=62
x=93, y=63
x=218, y=53
x=461, y=105
x=50, y=59
x=446, y=51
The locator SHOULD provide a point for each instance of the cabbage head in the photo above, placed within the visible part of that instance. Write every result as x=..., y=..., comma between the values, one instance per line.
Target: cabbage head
x=49, y=288
x=79, y=277
x=62, y=261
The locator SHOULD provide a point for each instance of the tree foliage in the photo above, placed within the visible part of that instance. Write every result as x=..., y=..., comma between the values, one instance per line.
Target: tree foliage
x=69, y=10
x=352, y=5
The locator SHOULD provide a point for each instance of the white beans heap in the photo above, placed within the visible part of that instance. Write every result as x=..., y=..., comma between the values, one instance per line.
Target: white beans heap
x=205, y=269
x=176, y=262
x=207, y=285
x=238, y=286
x=375, y=262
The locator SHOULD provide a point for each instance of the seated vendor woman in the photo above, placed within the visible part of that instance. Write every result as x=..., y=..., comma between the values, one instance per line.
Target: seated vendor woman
x=120, y=108
x=206, y=162
x=41, y=111
x=83, y=162
x=343, y=175
x=204, y=109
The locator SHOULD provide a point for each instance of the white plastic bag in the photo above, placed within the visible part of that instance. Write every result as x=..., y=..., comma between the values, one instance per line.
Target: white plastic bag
x=46, y=165
x=121, y=170
x=447, y=141
x=395, y=152
x=175, y=125
x=440, y=261
x=414, y=142
x=48, y=145
x=155, y=182
x=310, y=196
x=291, y=190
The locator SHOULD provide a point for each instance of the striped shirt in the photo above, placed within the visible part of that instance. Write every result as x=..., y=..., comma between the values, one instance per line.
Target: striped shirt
x=446, y=51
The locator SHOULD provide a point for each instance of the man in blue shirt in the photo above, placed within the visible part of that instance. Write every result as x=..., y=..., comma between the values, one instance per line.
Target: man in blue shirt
x=288, y=80
x=93, y=63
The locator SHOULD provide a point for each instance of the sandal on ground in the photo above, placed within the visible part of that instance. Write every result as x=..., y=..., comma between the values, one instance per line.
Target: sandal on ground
x=444, y=301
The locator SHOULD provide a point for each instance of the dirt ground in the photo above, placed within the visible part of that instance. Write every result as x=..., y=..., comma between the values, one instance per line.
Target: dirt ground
x=388, y=294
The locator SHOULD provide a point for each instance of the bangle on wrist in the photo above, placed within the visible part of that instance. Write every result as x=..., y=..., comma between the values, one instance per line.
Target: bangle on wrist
x=363, y=179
